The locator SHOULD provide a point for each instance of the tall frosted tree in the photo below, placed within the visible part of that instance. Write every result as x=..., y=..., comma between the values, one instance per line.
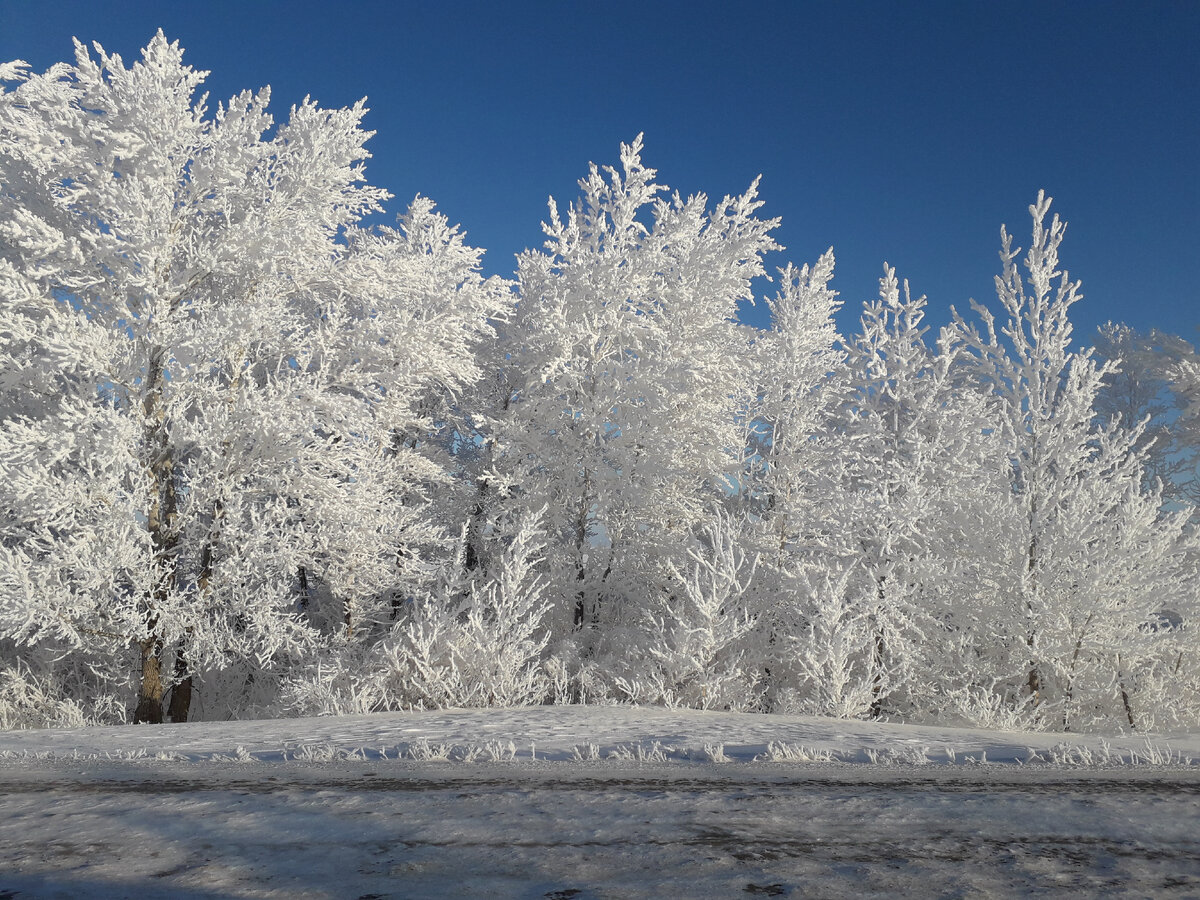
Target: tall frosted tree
x=224, y=371
x=801, y=373
x=799, y=377
x=1084, y=561
x=908, y=511
x=624, y=370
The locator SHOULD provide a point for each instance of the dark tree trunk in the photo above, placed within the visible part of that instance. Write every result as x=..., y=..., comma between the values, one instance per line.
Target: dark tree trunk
x=878, y=654
x=579, y=604
x=877, y=679
x=471, y=553
x=160, y=522
x=581, y=536
x=1125, y=696
x=303, y=579
x=1032, y=564
x=181, y=693
x=150, y=695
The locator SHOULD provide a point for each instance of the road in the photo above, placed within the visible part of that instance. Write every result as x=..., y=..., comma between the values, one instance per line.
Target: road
x=599, y=830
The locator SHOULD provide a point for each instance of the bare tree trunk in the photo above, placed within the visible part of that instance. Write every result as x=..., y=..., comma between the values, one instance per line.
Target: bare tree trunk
x=160, y=522
x=473, y=554
x=150, y=693
x=1125, y=695
x=877, y=654
x=1035, y=684
x=181, y=694
x=472, y=557
x=579, y=604
x=1070, y=691
x=877, y=679
x=1035, y=676
x=302, y=576
x=581, y=534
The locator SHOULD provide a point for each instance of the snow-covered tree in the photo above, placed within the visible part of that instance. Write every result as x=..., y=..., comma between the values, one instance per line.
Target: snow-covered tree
x=915, y=464
x=787, y=479
x=624, y=370
x=800, y=375
x=702, y=650
x=1079, y=541
x=223, y=370
x=468, y=642
x=239, y=431
x=1140, y=386
x=830, y=665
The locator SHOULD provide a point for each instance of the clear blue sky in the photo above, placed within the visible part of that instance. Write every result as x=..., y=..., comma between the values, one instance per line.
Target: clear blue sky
x=898, y=131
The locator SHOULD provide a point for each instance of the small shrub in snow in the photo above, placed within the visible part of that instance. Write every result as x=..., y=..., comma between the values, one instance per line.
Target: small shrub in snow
x=465, y=645
x=1083, y=756
x=27, y=701
x=314, y=753
x=319, y=753
x=1156, y=755
x=986, y=708
x=781, y=751
x=903, y=755
x=423, y=751
x=240, y=755
x=501, y=751
x=640, y=752
x=698, y=636
x=909, y=755
x=832, y=654
x=589, y=753
x=716, y=753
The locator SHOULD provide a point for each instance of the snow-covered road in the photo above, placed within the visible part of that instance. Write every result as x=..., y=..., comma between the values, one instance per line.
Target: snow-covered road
x=591, y=802
x=590, y=830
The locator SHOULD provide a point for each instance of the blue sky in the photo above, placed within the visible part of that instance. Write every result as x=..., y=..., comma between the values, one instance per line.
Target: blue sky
x=899, y=131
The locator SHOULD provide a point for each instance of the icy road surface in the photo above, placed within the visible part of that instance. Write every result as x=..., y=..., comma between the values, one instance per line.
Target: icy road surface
x=592, y=830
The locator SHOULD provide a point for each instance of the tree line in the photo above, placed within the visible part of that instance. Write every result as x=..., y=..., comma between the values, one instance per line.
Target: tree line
x=258, y=458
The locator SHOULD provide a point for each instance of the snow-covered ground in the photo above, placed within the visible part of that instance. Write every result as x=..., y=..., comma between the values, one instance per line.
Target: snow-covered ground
x=593, y=802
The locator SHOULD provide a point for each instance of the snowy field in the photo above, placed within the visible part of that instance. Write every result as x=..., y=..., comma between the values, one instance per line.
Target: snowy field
x=563, y=802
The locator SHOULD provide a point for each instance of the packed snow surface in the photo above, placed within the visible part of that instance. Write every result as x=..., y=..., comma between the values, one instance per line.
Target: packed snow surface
x=570, y=802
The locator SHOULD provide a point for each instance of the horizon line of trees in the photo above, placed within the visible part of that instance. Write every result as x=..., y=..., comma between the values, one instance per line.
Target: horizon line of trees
x=257, y=459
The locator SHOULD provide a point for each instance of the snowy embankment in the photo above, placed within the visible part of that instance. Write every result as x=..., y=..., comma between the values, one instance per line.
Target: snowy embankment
x=558, y=733
x=599, y=802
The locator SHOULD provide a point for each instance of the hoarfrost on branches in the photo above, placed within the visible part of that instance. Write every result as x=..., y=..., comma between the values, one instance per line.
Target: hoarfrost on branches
x=259, y=458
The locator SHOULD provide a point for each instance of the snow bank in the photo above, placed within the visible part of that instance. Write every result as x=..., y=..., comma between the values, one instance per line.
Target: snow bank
x=560, y=733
